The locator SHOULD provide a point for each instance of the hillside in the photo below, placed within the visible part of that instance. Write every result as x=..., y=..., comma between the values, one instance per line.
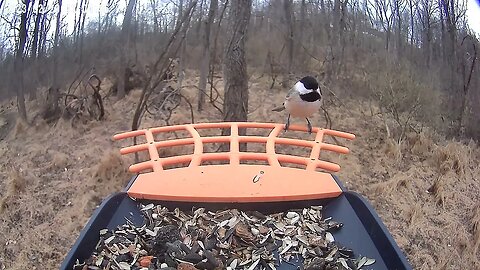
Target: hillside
x=425, y=190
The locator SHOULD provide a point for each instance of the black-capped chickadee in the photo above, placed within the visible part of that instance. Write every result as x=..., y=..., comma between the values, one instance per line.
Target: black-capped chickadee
x=303, y=100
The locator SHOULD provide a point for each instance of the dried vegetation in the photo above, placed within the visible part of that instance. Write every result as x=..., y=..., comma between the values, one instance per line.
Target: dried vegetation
x=425, y=188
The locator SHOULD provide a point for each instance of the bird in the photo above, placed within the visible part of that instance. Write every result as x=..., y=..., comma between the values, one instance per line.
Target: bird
x=302, y=100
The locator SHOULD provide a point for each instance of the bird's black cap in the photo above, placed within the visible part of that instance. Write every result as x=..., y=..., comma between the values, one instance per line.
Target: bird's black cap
x=309, y=82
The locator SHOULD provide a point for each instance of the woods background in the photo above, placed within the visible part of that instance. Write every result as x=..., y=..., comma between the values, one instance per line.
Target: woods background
x=415, y=58
x=400, y=74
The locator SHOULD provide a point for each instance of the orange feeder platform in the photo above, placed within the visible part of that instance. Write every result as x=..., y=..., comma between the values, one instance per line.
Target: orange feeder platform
x=257, y=181
x=234, y=182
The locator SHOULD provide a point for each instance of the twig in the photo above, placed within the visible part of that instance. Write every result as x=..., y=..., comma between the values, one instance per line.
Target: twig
x=214, y=51
x=467, y=86
x=149, y=86
x=191, y=108
x=96, y=95
x=79, y=73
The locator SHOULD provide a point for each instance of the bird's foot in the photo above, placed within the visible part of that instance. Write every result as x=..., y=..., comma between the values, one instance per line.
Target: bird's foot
x=287, y=125
x=309, y=125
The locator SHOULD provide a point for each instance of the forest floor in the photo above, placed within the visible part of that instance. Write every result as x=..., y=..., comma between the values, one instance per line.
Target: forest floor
x=426, y=190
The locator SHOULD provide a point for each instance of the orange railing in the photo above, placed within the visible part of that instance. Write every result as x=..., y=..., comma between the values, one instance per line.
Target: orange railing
x=149, y=185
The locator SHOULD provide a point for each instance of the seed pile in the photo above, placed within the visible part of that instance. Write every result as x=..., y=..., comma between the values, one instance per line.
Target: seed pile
x=227, y=239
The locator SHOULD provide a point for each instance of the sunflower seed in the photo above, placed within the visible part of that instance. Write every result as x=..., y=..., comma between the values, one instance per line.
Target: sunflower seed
x=226, y=239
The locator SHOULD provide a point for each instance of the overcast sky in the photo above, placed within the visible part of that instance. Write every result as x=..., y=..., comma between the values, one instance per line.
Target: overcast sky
x=473, y=14
x=68, y=10
x=473, y=10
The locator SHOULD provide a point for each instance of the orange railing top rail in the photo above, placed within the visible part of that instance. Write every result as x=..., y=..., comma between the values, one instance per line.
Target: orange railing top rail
x=163, y=183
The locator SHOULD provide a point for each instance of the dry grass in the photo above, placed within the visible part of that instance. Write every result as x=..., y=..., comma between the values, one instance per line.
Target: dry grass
x=111, y=170
x=16, y=184
x=415, y=217
x=439, y=190
x=422, y=145
x=393, y=185
x=69, y=171
x=19, y=129
x=59, y=160
x=475, y=223
x=393, y=149
x=454, y=156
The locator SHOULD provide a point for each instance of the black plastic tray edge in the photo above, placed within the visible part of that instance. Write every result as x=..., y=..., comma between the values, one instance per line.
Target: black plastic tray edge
x=95, y=218
x=364, y=209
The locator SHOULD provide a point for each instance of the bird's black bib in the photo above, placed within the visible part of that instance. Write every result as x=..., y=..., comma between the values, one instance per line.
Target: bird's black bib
x=310, y=97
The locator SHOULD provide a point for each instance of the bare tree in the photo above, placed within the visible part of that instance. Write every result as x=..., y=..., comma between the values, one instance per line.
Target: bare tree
x=398, y=7
x=289, y=20
x=235, y=106
x=124, y=44
x=112, y=7
x=412, y=7
x=55, y=47
x=156, y=25
x=301, y=31
x=36, y=34
x=40, y=11
x=183, y=49
x=43, y=31
x=82, y=28
x=161, y=65
x=79, y=27
x=202, y=84
x=467, y=72
x=22, y=38
x=384, y=15
x=425, y=15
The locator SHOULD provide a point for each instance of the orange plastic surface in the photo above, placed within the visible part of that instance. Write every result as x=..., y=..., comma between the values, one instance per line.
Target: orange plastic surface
x=233, y=182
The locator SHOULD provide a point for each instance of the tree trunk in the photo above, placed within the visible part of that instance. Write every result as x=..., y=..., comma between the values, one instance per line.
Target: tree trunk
x=52, y=107
x=55, y=46
x=153, y=4
x=40, y=11
x=301, y=33
x=235, y=106
x=124, y=44
x=82, y=29
x=289, y=39
x=18, y=66
x=180, y=12
x=288, y=9
x=182, y=59
x=183, y=48
x=323, y=18
x=200, y=20
x=34, y=46
x=412, y=26
x=399, y=28
x=336, y=24
x=202, y=84
x=43, y=34
x=442, y=27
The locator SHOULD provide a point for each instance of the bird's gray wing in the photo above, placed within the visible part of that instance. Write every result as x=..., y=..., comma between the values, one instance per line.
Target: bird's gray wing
x=291, y=93
x=279, y=108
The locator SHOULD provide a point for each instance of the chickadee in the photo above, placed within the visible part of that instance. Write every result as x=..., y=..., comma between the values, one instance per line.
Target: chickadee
x=303, y=100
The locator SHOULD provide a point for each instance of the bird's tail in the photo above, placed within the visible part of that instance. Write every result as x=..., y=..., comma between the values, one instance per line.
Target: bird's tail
x=279, y=108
